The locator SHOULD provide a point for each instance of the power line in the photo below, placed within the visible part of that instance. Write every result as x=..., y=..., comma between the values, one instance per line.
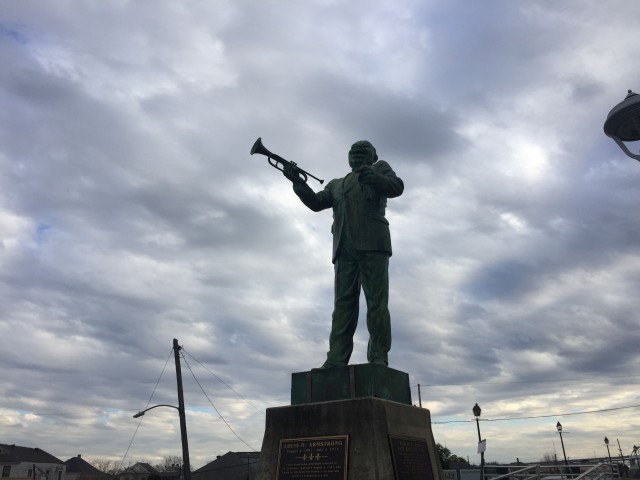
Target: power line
x=225, y=383
x=148, y=402
x=214, y=407
x=520, y=381
x=539, y=416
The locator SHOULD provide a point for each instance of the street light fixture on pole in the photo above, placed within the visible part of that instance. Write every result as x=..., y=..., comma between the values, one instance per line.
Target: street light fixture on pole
x=606, y=442
x=559, y=427
x=183, y=434
x=186, y=466
x=140, y=414
x=623, y=123
x=476, y=413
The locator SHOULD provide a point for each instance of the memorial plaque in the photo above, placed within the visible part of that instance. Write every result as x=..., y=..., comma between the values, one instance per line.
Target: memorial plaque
x=411, y=459
x=316, y=458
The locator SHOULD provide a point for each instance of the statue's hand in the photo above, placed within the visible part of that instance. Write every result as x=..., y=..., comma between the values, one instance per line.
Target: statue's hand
x=292, y=174
x=366, y=176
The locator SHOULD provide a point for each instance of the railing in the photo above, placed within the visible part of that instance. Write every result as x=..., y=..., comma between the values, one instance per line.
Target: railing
x=600, y=471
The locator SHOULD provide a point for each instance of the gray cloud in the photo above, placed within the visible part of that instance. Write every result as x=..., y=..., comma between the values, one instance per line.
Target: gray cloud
x=131, y=213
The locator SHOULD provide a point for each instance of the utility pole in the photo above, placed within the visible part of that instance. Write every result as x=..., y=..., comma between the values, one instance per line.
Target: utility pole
x=620, y=449
x=476, y=413
x=183, y=421
x=564, y=453
x=419, y=397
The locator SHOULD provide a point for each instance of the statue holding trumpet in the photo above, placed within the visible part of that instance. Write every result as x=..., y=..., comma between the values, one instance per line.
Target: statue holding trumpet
x=361, y=245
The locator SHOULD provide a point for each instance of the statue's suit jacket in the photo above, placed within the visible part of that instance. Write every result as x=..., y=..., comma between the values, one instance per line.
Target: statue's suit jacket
x=353, y=215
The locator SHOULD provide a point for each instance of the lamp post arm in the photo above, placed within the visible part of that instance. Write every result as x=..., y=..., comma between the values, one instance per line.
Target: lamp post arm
x=139, y=414
x=625, y=149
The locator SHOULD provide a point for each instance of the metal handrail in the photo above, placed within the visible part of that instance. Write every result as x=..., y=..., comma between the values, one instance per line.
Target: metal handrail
x=600, y=471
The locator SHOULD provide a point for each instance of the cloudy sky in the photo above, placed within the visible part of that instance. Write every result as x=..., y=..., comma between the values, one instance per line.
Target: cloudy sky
x=131, y=213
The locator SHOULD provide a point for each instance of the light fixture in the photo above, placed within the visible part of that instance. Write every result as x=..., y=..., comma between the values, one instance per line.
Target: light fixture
x=623, y=123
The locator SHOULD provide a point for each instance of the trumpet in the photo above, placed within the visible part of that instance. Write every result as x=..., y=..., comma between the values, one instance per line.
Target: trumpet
x=280, y=163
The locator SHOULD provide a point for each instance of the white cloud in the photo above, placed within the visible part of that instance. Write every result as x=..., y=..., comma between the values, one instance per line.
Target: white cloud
x=131, y=213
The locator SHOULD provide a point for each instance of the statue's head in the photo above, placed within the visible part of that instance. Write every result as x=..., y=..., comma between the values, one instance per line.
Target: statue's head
x=362, y=153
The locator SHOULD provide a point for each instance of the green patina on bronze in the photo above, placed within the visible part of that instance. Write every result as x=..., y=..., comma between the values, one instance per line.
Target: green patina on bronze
x=361, y=249
x=354, y=381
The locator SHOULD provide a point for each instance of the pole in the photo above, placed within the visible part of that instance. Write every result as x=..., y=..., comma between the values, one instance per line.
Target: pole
x=419, y=397
x=620, y=449
x=563, y=451
x=183, y=421
x=481, y=453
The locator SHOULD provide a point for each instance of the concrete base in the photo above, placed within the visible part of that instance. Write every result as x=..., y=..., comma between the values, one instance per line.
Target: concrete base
x=374, y=428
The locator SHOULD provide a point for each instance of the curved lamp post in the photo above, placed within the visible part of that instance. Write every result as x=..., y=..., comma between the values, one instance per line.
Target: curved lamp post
x=559, y=427
x=606, y=442
x=140, y=414
x=183, y=435
x=623, y=123
x=183, y=423
x=476, y=413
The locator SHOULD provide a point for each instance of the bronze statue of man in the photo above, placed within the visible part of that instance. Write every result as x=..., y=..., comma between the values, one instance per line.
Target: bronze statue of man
x=361, y=249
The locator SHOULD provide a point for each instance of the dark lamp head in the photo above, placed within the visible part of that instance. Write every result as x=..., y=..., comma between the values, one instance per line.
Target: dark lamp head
x=476, y=410
x=623, y=122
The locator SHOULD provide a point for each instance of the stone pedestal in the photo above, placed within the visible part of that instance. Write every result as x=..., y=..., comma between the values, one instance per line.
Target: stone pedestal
x=359, y=438
x=353, y=381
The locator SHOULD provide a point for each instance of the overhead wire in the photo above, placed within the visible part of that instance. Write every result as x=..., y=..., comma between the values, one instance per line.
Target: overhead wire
x=146, y=406
x=520, y=381
x=214, y=407
x=538, y=416
x=222, y=381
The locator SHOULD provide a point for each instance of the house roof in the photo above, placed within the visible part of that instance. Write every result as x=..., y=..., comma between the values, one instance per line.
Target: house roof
x=227, y=465
x=17, y=454
x=81, y=466
x=140, y=467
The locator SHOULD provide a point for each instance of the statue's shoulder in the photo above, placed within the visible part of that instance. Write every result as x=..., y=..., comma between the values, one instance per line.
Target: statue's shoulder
x=335, y=183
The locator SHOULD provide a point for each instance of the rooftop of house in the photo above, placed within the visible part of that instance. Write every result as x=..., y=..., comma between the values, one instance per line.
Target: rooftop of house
x=18, y=454
x=140, y=467
x=223, y=463
x=81, y=466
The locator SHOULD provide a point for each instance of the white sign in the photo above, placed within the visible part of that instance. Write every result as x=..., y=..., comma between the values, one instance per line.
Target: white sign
x=482, y=446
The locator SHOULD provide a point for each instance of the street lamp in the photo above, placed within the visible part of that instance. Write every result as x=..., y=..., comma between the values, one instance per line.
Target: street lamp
x=140, y=414
x=476, y=413
x=183, y=435
x=606, y=442
x=623, y=123
x=559, y=427
x=635, y=451
x=186, y=466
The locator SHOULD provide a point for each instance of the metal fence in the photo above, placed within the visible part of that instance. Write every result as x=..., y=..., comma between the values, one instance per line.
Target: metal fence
x=599, y=471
